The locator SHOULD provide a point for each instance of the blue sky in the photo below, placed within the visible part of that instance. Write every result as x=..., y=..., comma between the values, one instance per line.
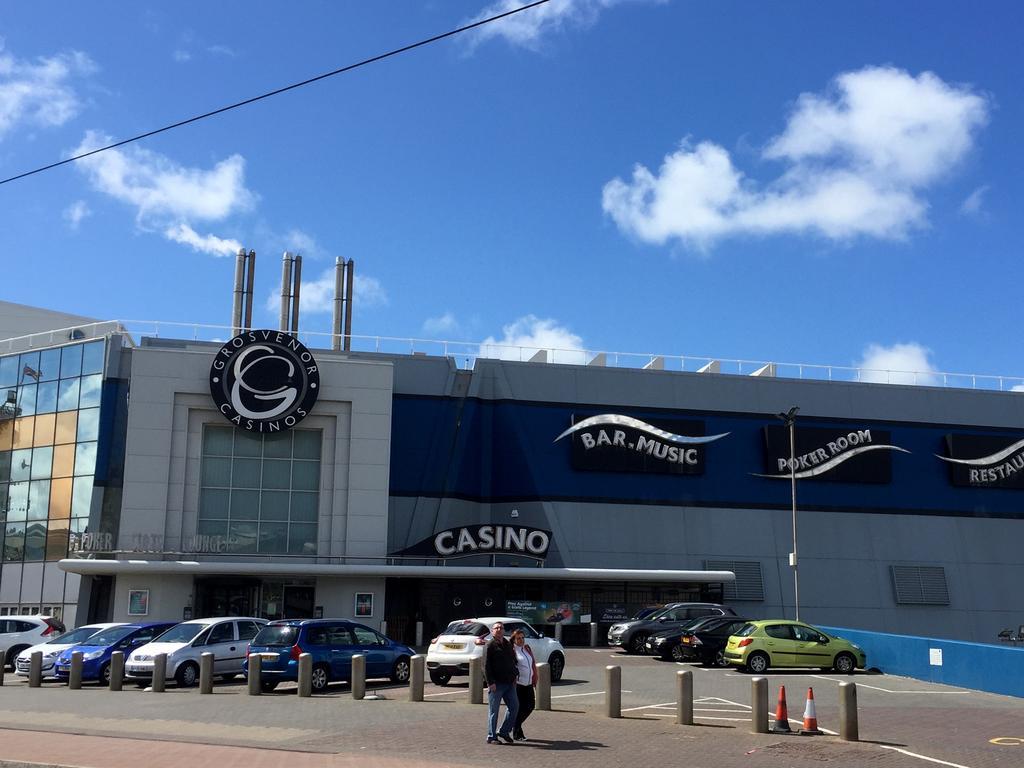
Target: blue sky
x=801, y=182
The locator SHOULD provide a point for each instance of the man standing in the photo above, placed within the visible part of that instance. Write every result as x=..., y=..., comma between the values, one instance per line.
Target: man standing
x=500, y=671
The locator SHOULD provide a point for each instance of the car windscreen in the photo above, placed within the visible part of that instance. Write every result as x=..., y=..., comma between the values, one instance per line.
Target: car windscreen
x=659, y=613
x=182, y=633
x=746, y=629
x=474, y=628
x=109, y=636
x=75, y=636
x=698, y=623
x=645, y=613
x=276, y=636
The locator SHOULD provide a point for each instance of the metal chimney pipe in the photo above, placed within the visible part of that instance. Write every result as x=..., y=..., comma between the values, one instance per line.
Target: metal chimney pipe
x=249, y=277
x=286, y=279
x=297, y=283
x=339, y=302
x=236, y=310
x=350, y=278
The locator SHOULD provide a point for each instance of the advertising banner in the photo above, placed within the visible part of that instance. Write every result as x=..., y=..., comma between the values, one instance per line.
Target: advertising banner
x=535, y=613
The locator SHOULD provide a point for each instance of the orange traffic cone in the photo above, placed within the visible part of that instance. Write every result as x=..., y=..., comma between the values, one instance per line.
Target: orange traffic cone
x=810, y=717
x=781, y=714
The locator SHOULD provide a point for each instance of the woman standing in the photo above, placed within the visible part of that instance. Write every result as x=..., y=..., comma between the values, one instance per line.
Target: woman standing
x=525, y=683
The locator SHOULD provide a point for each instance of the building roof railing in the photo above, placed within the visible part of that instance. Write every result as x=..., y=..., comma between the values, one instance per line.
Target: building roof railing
x=464, y=354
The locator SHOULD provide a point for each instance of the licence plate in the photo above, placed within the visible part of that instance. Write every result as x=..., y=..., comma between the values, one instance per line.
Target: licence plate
x=134, y=668
x=453, y=646
x=268, y=656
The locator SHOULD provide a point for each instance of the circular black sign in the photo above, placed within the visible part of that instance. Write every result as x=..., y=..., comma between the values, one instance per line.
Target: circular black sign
x=264, y=381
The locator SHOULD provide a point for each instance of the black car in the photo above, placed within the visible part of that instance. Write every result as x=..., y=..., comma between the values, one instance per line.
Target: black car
x=632, y=635
x=667, y=642
x=706, y=643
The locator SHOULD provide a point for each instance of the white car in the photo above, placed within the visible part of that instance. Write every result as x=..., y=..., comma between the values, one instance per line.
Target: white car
x=52, y=649
x=450, y=652
x=226, y=638
x=20, y=632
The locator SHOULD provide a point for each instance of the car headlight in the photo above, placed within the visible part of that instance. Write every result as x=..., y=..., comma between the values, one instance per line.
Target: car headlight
x=93, y=655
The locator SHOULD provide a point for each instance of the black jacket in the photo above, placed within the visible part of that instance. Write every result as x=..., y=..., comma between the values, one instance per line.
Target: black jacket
x=500, y=662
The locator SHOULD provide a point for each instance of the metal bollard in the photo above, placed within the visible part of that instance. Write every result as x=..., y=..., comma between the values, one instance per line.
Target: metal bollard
x=254, y=674
x=305, y=675
x=206, y=673
x=75, y=675
x=558, y=632
x=848, y=729
x=613, y=691
x=476, y=681
x=759, y=704
x=544, y=686
x=35, y=670
x=358, y=676
x=419, y=634
x=159, y=673
x=117, y=670
x=2, y=673
x=416, y=666
x=684, y=697
x=594, y=633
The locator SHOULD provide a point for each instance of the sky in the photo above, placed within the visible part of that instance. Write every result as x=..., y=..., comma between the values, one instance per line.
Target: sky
x=798, y=182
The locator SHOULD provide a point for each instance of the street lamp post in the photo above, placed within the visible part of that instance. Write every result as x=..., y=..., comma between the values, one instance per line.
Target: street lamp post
x=789, y=418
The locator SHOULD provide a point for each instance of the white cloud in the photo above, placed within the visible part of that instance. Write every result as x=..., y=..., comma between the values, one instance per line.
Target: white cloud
x=528, y=27
x=438, y=326
x=222, y=50
x=856, y=163
x=210, y=244
x=899, y=364
x=181, y=55
x=317, y=296
x=972, y=205
x=39, y=92
x=526, y=336
x=75, y=212
x=161, y=189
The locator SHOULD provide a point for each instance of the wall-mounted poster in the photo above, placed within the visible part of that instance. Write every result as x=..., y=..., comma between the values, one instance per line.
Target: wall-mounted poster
x=138, y=602
x=553, y=612
x=364, y=605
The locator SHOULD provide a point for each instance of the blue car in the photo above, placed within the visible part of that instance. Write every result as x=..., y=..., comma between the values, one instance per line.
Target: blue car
x=98, y=649
x=332, y=644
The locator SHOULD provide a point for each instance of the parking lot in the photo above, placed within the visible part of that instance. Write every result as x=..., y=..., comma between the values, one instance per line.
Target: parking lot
x=902, y=721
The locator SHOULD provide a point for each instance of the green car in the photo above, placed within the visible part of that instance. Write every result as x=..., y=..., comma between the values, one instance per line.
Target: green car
x=781, y=643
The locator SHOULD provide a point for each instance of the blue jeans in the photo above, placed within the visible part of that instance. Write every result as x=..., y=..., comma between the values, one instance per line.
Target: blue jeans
x=506, y=691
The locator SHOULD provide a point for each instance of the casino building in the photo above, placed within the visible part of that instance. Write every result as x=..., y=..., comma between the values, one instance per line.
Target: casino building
x=275, y=475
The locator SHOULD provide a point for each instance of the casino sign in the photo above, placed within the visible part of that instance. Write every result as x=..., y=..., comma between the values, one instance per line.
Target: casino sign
x=264, y=381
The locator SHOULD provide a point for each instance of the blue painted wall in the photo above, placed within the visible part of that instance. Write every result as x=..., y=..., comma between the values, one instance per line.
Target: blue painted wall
x=991, y=668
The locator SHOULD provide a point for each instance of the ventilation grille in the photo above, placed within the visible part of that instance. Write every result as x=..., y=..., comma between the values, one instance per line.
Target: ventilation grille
x=749, y=584
x=920, y=585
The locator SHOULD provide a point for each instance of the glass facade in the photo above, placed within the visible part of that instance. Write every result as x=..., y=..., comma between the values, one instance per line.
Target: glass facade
x=260, y=492
x=49, y=428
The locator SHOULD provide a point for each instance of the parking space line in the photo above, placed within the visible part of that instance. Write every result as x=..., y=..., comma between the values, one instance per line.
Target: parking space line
x=922, y=757
x=651, y=706
x=887, y=690
x=446, y=693
x=589, y=693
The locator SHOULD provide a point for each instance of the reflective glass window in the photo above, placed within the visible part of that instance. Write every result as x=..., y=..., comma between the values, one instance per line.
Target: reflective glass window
x=46, y=397
x=67, y=428
x=23, y=431
x=63, y=461
x=17, y=501
x=14, y=542
x=242, y=536
x=5, y=466
x=6, y=435
x=49, y=365
x=89, y=393
x=85, y=458
x=273, y=537
x=38, y=500
x=35, y=540
x=60, y=499
x=42, y=459
x=307, y=444
x=304, y=507
x=21, y=464
x=71, y=361
x=88, y=424
x=92, y=357
x=217, y=441
x=306, y=475
x=212, y=528
x=81, y=497
x=9, y=371
x=28, y=367
x=213, y=504
x=247, y=444
x=216, y=473
x=302, y=539
x=276, y=473
x=274, y=505
x=44, y=427
x=79, y=524
x=67, y=395
x=245, y=473
x=57, y=540
x=278, y=445
x=245, y=505
x=27, y=399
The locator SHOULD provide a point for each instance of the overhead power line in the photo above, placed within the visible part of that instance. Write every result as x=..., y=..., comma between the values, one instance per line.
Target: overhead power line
x=278, y=91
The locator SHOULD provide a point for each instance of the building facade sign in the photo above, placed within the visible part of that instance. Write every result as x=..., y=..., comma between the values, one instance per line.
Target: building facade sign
x=985, y=461
x=838, y=455
x=264, y=381
x=482, y=540
x=613, y=442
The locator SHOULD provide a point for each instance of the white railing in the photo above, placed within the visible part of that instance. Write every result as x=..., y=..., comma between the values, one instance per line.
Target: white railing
x=464, y=354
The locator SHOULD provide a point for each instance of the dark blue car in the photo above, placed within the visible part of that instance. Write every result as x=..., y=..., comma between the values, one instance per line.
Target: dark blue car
x=98, y=649
x=332, y=644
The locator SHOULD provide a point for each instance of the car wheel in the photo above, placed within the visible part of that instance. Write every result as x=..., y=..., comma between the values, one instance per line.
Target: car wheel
x=556, y=663
x=268, y=685
x=757, y=662
x=12, y=655
x=320, y=678
x=439, y=678
x=187, y=674
x=638, y=644
x=845, y=664
x=104, y=676
x=400, y=672
x=720, y=660
x=677, y=653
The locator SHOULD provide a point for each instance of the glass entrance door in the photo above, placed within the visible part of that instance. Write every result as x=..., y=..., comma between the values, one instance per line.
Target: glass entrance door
x=226, y=597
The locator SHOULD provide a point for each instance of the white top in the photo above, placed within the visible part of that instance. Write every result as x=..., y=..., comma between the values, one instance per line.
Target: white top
x=525, y=665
